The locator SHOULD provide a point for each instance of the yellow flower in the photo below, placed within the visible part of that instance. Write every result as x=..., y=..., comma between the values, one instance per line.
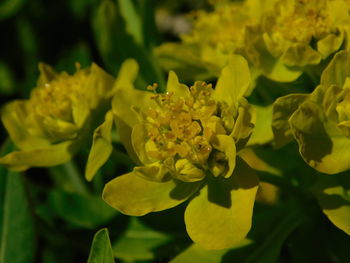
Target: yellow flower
x=231, y=28
x=185, y=142
x=301, y=33
x=319, y=121
x=49, y=127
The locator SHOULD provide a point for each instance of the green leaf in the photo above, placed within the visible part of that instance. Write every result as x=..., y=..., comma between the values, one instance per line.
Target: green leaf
x=80, y=210
x=10, y=7
x=283, y=108
x=133, y=195
x=116, y=44
x=220, y=216
x=17, y=236
x=333, y=195
x=195, y=253
x=132, y=19
x=101, y=250
x=269, y=250
x=7, y=83
x=139, y=242
x=101, y=147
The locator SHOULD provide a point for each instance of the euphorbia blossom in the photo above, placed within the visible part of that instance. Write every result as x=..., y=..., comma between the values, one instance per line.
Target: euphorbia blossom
x=300, y=33
x=50, y=126
x=185, y=143
x=320, y=121
x=231, y=28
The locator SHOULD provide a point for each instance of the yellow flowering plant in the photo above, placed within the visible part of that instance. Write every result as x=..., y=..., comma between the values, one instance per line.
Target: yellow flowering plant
x=50, y=126
x=319, y=121
x=185, y=143
x=304, y=33
x=231, y=28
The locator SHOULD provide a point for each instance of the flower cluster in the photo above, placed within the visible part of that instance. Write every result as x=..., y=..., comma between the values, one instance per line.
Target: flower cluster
x=302, y=33
x=319, y=121
x=185, y=142
x=280, y=39
x=50, y=126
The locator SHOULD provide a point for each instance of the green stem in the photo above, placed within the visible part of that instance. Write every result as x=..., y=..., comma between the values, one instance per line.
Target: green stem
x=75, y=177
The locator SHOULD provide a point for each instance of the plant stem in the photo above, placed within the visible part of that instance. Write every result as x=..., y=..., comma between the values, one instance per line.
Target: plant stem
x=75, y=177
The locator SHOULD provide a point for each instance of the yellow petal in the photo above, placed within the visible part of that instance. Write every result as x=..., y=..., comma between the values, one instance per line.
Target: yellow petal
x=101, y=147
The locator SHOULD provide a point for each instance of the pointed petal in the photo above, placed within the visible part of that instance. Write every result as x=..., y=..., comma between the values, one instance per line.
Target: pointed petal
x=226, y=144
x=101, y=147
x=18, y=132
x=174, y=86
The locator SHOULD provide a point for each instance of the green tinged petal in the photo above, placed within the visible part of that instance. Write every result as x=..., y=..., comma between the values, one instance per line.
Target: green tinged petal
x=139, y=139
x=337, y=70
x=243, y=126
x=333, y=196
x=97, y=86
x=187, y=171
x=283, y=108
x=126, y=76
x=124, y=132
x=225, y=144
x=174, y=86
x=300, y=55
x=123, y=101
x=101, y=147
x=234, y=81
x=133, y=195
x=50, y=156
x=220, y=216
x=330, y=44
x=262, y=132
x=18, y=132
x=156, y=172
x=47, y=73
x=281, y=73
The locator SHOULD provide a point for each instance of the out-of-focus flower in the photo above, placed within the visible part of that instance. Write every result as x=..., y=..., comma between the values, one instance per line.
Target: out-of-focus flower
x=232, y=27
x=301, y=33
x=185, y=142
x=320, y=122
x=50, y=126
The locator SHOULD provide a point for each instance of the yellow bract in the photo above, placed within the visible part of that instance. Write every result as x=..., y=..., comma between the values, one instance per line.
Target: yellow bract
x=49, y=127
x=303, y=32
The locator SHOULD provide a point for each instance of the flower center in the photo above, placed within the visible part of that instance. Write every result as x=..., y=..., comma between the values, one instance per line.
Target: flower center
x=55, y=98
x=183, y=126
x=307, y=20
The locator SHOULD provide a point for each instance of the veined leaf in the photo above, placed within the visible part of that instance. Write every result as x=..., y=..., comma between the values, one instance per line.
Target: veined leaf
x=101, y=250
